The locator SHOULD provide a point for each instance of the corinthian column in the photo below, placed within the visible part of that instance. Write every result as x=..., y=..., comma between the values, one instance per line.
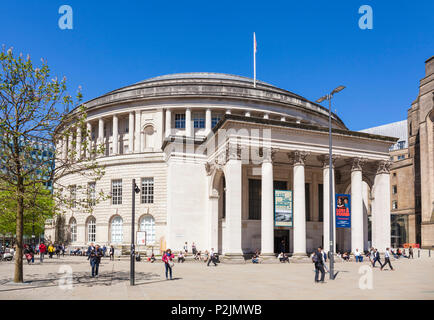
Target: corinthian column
x=267, y=212
x=356, y=206
x=297, y=159
x=381, y=207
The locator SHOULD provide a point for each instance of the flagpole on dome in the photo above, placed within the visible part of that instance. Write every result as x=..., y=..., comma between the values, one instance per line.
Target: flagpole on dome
x=254, y=60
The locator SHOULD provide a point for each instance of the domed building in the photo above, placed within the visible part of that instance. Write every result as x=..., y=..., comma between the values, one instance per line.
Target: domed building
x=208, y=152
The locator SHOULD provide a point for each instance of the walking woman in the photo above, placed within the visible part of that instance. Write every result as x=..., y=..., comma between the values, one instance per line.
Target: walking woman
x=112, y=253
x=168, y=263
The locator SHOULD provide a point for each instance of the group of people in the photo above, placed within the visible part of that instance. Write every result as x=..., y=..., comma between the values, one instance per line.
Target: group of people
x=374, y=257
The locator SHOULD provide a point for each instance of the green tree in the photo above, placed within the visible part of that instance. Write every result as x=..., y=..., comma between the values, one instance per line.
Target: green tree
x=35, y=112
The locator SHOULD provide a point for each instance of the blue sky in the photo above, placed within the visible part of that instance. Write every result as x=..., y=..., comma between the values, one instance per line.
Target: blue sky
x=307, y=47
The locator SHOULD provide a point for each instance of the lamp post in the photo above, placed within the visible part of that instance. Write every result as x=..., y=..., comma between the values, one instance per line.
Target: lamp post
x=331, y=191
x=135, y=190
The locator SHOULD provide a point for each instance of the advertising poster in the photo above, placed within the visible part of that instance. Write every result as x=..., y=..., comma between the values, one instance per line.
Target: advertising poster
x=343, y=211
x=283, y=208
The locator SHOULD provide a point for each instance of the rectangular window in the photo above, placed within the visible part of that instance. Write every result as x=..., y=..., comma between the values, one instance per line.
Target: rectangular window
x=147, y=190
x=254, y=199
x=198, y=120
x=307, y=201
x=320, y=202
x=73, y=195
x=91, y=193
x=180, y=121
x=394, y=204
x=215, y=120
x=117, y=191
x=394, y=189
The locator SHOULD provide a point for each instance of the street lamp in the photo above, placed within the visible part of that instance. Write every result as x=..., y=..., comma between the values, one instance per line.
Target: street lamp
x=135, y=190
x=331, y=192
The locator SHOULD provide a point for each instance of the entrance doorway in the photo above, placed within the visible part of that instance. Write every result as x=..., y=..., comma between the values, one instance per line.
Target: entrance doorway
x=281, y=240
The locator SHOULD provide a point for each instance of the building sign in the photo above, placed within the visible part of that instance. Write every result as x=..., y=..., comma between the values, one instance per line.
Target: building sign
x=141, y=238
x=343, y=211
x=283, y=208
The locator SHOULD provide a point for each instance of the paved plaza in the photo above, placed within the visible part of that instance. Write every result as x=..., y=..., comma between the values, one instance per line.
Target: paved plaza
x=412, y=279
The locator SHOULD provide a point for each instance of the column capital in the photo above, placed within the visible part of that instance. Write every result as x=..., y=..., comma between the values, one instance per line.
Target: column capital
x=325, y=160
x=233, y=151
x=267, y=154
x=357, y=163
x=384, y=167
x=298, y=157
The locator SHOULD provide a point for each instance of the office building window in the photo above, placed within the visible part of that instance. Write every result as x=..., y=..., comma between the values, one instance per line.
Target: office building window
x=117, y=191
x=73, y=229
x=254, y=199
x=180, y=121
x=147, y=224
x=91, y=193
x=394, y=189
x=147, y=190
x=91, y=229
x=198, y=120
x=394, y=204
x=116, y=230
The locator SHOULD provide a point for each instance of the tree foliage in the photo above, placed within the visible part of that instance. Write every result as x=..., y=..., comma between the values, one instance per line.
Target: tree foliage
x=41, y=142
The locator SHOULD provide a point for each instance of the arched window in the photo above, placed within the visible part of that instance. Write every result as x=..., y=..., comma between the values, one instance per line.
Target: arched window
x=73, y=229
x=116, y=230
x=91, y=229
x=147, y=224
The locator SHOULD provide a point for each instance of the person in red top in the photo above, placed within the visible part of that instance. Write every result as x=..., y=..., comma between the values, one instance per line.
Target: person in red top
x=168, y=263
x=42, y=250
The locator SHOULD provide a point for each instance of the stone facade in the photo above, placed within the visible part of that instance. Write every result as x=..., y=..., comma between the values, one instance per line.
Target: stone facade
x=215, y=148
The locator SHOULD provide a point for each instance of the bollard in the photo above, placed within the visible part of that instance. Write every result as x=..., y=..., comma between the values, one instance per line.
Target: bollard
x=418, y=253
x=429, y=253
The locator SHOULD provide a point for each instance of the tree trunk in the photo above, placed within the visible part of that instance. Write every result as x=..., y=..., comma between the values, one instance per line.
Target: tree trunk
x=18, y=277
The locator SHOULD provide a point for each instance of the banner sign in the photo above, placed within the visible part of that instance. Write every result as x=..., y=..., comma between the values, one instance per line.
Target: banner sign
x=343, y=211
x=283, y=208
x=141, y=237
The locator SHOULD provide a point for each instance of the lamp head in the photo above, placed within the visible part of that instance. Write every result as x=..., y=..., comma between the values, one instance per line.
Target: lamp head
x=136, y=189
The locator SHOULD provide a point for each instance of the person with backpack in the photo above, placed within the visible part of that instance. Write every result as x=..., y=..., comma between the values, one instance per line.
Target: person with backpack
x=95, y=259
x=317, y=259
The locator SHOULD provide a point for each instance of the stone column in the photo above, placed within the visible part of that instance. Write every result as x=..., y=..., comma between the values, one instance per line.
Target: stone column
x=89, y=140
x=356, y=206
x=326, y=203
x=168, y=123
x=131, y=132
x=188, y=131
x=267, y=210
x=381, y=207
x=64, y=149
x=100, y=133
x=115, y=138
x=213, y=220
x=70, y=147
x=78, y=144
x=208, y=122
x=233, y=175
x=297, y=159
x=365, y=196
x=137, y=129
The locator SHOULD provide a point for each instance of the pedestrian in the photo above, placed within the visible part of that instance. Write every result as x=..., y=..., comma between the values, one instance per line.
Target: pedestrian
x=90, y=248
x=358, y=256
x=42, y=250
x=168, y=262
x=324, y=260
x=317, y=259
x=181, y=257
x=186, y=248
x=410, y=252
x=104, y=250
x=377, y=258
x=50, y=251
x=372, y=255
x=112, y=253
x=62, y=248
x=193, y=248
x=28, y=253
x=95, y=259
x=387, y=259
x=211, y=258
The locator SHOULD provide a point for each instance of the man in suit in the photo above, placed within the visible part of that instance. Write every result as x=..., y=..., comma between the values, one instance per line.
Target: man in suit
x=377, y=258
x=317, y=259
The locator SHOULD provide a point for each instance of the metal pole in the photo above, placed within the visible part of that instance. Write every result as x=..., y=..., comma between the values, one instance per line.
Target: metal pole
x=132, y=271
x=331, y=215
